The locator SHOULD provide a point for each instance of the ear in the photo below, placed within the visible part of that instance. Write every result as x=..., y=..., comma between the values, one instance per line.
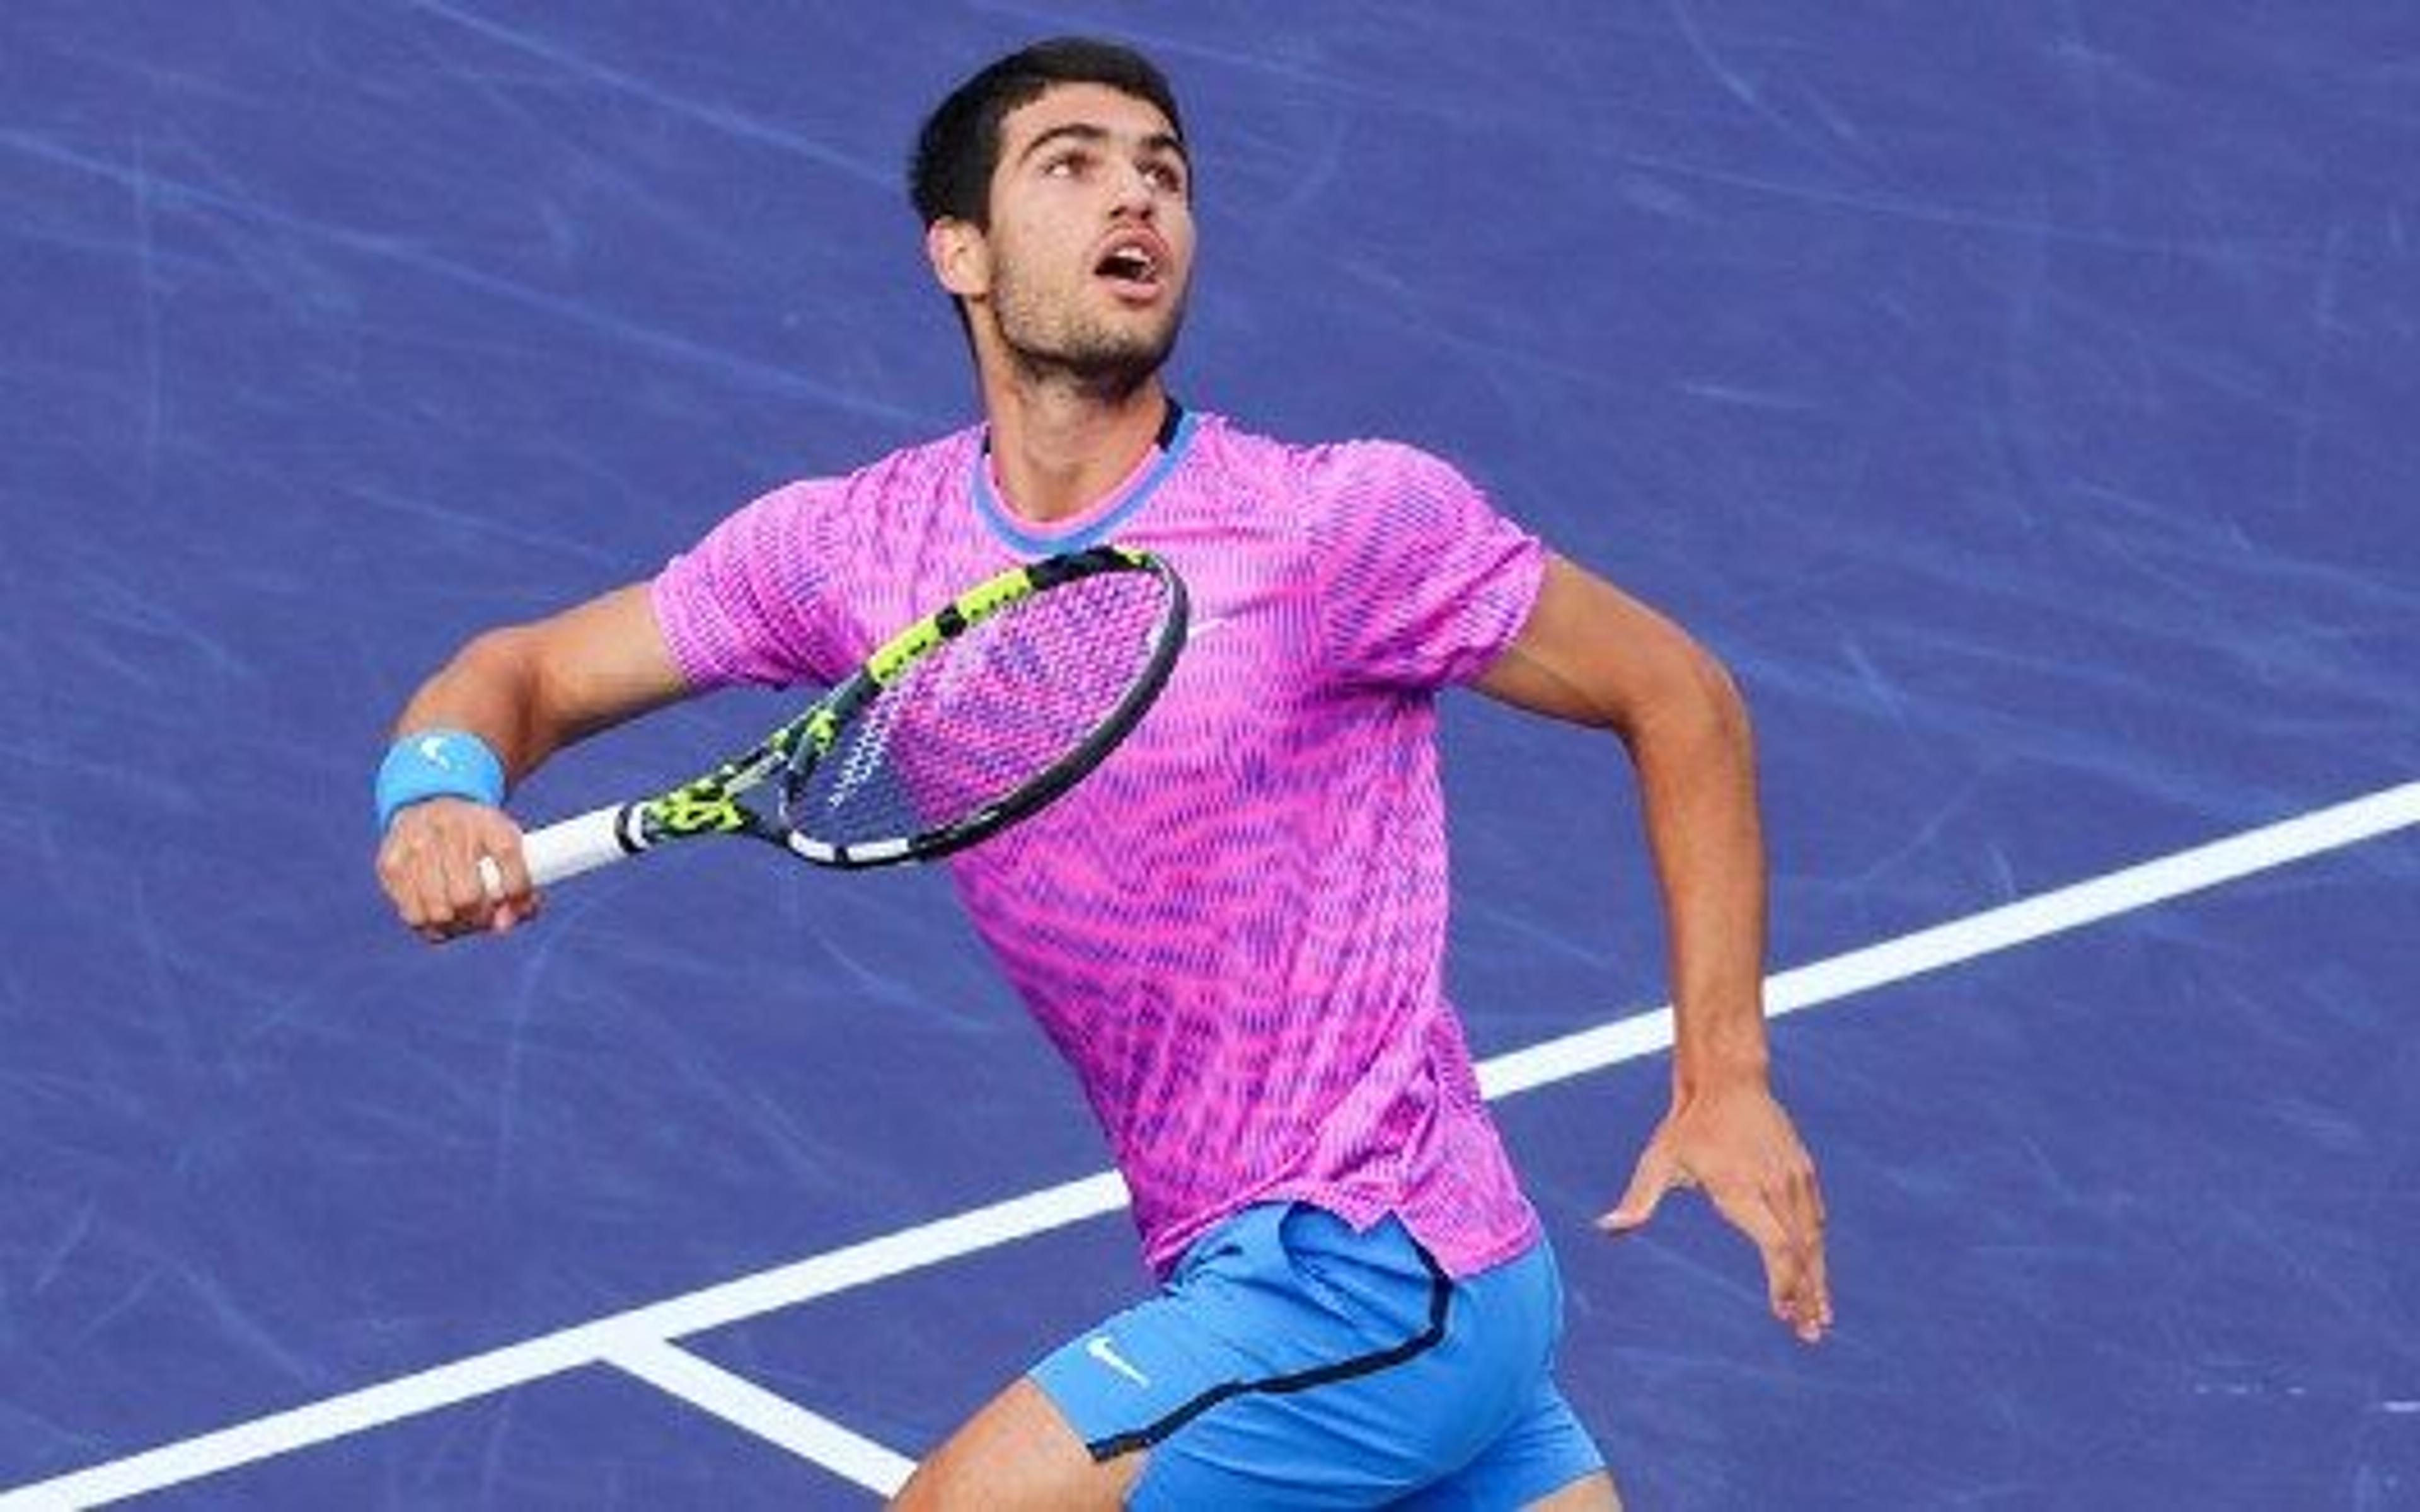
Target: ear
x=960, y=256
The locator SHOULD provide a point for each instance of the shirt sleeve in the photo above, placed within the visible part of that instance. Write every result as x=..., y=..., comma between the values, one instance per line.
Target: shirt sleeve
x=1422, y=583
x=750, y=603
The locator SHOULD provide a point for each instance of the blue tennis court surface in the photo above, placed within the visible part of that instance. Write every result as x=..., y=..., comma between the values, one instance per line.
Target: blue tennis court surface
x=2020, y=397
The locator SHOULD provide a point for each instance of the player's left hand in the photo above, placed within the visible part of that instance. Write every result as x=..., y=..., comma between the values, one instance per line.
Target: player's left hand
x=1735, y=1142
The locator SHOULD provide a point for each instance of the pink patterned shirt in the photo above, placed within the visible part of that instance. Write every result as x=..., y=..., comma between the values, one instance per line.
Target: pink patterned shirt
x=1233, y=930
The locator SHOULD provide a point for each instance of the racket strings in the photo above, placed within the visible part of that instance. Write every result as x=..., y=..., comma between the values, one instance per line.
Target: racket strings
x=987, y=714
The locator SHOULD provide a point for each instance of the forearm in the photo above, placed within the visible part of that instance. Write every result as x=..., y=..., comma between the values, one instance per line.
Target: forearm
x=1696, y=772
x=529, y=690
x=491, y=688
x=449, y=860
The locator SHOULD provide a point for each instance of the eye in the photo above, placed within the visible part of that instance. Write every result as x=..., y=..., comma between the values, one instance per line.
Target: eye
x=1068, y=165
x=1167, y=177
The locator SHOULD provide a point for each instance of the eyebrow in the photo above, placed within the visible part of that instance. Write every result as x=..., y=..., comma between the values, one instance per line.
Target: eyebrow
x=1093, y=134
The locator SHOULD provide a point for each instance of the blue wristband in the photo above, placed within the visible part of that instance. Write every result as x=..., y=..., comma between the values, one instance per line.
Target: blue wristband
x=437, y=763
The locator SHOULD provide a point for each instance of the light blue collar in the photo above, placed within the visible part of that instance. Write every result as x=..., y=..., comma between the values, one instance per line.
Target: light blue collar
x=1175, y=440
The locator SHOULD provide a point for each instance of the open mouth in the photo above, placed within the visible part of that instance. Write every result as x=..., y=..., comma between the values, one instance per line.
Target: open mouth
x=1131, y=266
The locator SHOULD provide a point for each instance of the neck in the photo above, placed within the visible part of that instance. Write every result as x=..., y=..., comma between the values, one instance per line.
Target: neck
x=1060, y=446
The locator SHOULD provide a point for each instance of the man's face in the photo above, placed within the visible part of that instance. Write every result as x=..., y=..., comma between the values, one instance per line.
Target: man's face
x=1090, y=246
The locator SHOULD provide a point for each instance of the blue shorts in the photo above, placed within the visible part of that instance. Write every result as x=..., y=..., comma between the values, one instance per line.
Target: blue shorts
x=1292, y=1362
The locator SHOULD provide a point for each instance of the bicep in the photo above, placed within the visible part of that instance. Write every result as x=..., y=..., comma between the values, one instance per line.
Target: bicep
x=1594, y=654
x=600, y=663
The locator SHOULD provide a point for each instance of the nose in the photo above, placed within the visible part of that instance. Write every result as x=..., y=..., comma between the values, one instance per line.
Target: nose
x=1133, y=192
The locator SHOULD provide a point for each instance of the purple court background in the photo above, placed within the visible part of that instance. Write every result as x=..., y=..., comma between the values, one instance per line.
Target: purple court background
x=2020, y=397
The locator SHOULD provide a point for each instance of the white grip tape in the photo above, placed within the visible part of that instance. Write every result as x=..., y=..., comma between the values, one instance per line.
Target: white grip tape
x=563, y=850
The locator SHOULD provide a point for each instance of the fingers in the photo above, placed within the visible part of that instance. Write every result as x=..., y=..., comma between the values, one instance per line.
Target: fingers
x=504, y=880
x=1798, y=1202
x=1781, y=1212
x=431, y=866
x=1657, y=1173
x=1795, y=1284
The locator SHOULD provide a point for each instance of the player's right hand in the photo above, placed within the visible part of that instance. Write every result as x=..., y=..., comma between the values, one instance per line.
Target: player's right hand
x=429, y=865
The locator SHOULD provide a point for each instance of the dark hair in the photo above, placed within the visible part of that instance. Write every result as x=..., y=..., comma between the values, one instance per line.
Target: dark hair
x=949, y=177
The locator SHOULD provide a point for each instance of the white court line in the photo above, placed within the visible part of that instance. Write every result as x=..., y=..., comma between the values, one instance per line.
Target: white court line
x=1003, y=1223
x=586, y=1343
x=2021, y=922
x=738, y=1400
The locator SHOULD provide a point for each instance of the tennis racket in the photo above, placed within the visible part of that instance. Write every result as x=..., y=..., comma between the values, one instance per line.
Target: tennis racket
x=971, y=719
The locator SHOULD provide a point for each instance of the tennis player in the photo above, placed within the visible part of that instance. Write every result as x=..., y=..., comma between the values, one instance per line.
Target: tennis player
x=1233, y=930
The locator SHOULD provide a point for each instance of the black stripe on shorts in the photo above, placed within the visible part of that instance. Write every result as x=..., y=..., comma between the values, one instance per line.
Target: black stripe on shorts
x=1440, y=1295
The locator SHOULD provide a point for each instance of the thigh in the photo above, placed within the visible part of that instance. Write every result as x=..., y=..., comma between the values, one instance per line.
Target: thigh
x=1591, y=1493
x=1017, y=1453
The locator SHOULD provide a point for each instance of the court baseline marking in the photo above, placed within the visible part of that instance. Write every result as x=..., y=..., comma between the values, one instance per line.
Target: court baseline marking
x=639, y=1342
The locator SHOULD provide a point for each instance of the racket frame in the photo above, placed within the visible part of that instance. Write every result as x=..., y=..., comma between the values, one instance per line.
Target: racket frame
x=709, y=804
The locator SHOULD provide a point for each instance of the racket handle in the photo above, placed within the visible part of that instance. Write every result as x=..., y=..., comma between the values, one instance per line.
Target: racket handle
x=563, y=850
